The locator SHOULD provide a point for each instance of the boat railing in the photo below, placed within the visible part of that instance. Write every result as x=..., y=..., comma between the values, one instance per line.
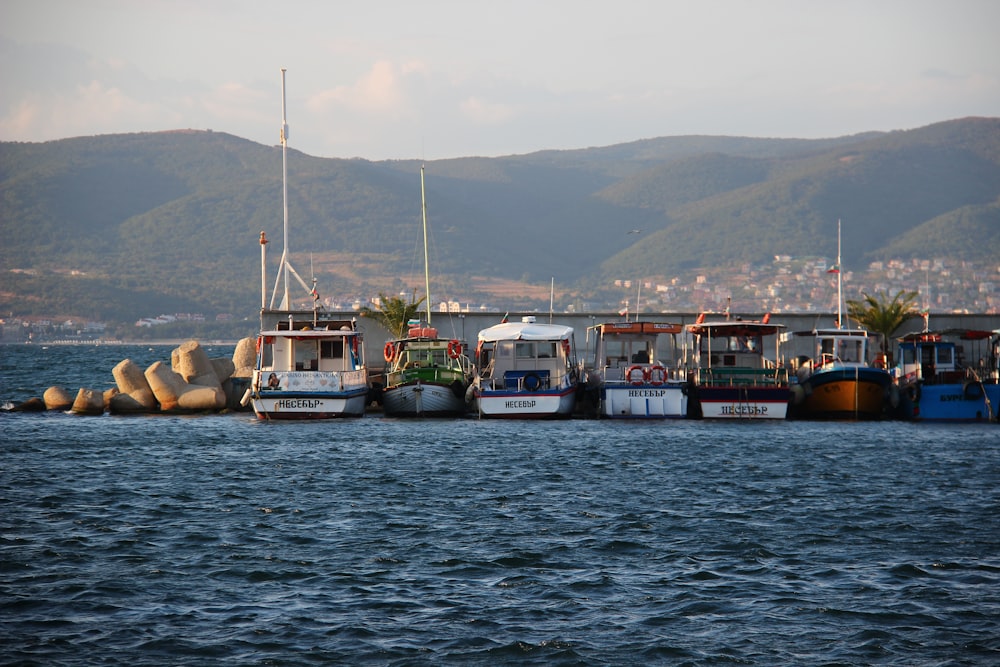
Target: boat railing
x=731, y=377
x=665, y=372
x=440, y=374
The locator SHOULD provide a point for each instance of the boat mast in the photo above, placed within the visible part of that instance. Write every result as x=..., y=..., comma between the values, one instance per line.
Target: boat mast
x=840, y=283
x=286, y=303
x=427, y=278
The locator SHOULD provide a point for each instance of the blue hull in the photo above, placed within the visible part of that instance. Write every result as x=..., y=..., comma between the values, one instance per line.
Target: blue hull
x=958, y=402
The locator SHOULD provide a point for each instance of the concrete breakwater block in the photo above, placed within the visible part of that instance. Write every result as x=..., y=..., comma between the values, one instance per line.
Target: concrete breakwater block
x=174, y=393
x=134, y=393
x=57, y=398
x=88, y=402
x=245, y=357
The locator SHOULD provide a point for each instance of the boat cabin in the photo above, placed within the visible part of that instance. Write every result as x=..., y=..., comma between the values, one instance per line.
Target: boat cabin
x=733, y=352
x=527, y=356
x=845, y=346
x=947, y=356
x=620, y=346
x=302, y=346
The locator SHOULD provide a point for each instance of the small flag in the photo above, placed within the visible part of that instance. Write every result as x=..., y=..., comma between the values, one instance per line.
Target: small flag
x=314, y=293
x=834, y=269
x=505, y=315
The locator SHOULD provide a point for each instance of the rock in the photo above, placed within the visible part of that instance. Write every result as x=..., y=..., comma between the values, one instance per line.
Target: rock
x=31, y=405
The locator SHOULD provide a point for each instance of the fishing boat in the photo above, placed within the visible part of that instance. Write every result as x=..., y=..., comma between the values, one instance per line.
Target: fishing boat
x=733, y=378
x=629, y=378
x=525, y=370
x=309, y=365
x=426, y=375
x=949, y=375
x=838, y=381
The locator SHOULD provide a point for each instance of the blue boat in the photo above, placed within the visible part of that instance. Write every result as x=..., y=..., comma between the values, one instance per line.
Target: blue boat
x=950, y=375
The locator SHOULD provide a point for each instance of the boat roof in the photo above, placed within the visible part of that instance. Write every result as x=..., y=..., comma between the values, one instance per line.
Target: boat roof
x=310, y=333
x=734, y=328
x=859, y=333
x=525, y=331
x=936, y=336
x=612, y=328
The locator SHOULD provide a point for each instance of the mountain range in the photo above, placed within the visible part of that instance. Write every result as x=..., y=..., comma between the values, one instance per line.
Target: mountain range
x=118, y=227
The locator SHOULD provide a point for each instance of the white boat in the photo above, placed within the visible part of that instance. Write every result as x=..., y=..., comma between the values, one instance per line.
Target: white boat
x=630, y=379
x=309, y=366
x=734, y=379
x=426, y=375
x=309, y=369
x=526, y=371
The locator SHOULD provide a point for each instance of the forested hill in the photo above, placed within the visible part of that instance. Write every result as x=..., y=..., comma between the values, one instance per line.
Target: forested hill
x=119, y=226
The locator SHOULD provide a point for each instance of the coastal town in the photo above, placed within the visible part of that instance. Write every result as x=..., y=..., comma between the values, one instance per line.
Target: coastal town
x=786, y=285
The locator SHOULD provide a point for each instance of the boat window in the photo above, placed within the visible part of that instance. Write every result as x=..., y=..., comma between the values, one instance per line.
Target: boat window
x=546, y=349
x=926, y=354
x=851, y=350
x=641, y=357
x=306, y=355
x=826, y=346
x=524, y=350
x=331, y=349
x=944, y=356
x=908, y=355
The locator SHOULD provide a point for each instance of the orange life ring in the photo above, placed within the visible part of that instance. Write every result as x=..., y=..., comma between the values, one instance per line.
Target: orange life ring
x=657, y=375
x=389, y=352
x=643, y=375
x=454, y=349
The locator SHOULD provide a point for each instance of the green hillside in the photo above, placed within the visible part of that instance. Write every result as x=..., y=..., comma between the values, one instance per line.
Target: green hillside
x=123, y=226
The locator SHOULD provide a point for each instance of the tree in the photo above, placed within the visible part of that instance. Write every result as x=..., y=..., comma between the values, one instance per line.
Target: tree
x=882, y=316
x=393, y=313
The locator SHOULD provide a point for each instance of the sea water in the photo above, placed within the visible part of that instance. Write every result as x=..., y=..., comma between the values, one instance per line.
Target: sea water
x=219, y=539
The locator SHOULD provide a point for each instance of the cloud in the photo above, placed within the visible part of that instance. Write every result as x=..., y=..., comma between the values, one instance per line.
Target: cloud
x=478, y=110
x=380, y=90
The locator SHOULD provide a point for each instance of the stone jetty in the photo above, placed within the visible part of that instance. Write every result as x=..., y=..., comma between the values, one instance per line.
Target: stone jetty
x=192, y=382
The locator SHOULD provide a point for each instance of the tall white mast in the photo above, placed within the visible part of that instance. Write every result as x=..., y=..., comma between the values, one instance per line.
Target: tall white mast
x=427, y=278
x=286, y=302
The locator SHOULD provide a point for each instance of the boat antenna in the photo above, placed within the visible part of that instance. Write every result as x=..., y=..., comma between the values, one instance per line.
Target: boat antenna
x=638, y=296
x=427, y=278
x=552, y=296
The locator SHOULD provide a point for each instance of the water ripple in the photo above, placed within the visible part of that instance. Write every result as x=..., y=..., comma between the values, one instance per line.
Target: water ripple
x=221, y=540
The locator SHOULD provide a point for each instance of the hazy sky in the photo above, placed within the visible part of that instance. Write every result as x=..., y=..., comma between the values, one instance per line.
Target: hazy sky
x=436, y=78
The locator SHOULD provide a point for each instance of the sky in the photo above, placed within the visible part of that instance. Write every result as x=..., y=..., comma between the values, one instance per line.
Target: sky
x=432, y=79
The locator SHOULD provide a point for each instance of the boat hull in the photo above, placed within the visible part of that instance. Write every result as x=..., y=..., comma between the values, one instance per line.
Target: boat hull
x=855, y=393
x=744, y=402
x=950, y=402
x=424, y=399
x=492, y=404
x=621, y=400
x=309, y=405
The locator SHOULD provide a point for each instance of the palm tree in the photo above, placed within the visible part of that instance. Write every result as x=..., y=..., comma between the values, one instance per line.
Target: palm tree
x=882, y=316
x=393, y=313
